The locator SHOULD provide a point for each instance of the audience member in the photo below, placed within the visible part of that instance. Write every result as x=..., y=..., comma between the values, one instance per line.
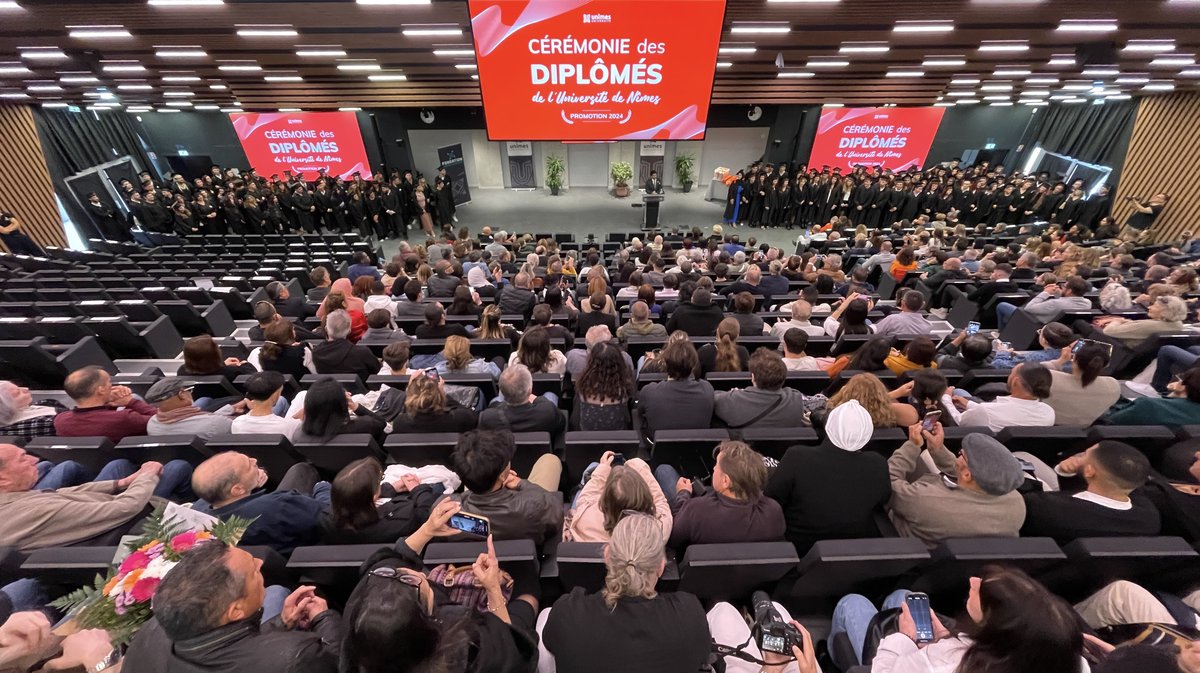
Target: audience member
x=794, y=342
x=767, y=403
x=535, y=352
x=436, y=327
x=327, y=414
x=698, y=317
x=365, y=509
x=1082, y=396
x=263, y=392
x=280, y=352
x=725, y=354
x=337, y=355
x=20, y=417
x=612, y=491
x=801, y=312
x=640, y=324
x=101, y=409
x=682, y=401
x=604, y=390
x=427, y=408
x=178, y=415
x=1028, y=385
x=519, y=410
x=1181, y=406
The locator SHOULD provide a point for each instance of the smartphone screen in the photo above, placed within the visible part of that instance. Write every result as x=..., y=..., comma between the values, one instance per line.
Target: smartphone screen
x=972, y=327
x=918, y=606
x=930, y=420
x=1079, y=343
x=471, y=523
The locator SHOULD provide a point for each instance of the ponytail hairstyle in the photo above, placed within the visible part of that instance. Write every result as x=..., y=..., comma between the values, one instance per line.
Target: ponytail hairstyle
x=728, y=332
x=277, y=335
x=633, y=558
x=1091, y=360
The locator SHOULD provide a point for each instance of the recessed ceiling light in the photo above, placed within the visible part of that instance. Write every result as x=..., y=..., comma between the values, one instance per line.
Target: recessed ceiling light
x=736, y=50
x=14, y=69
x=266, y=31
x=430, y=30
x=827, y=63
x=97, y=32
x=180, y=103
x=54, y=105
x=996, y=87
x=388, y=78
x=47, y=54
x=1130, y=78
x=724, y=64
x=43, y=87
x=231, y=109
x=1101, y=71
x=359, y=66
x=1077, y=86
x=181, y=78
x=178, y=94
x=73, y=79
x=863, y=47
x=1189, y=73
x=393, y=2
x=283, y=78
x=218, y=87
x=135, y=87
x=466, y=66
x=184, y=3
x=1062, y=59
x=207, y=107
x=796, y=74
x=289, y=109
x=950, y=104
x=350, y=109
x=1012, y=71
x=314, y=52
x=905, y=73
x=181, y=53
x=166, y=110
x=474, y=76
x=967, y=101
x=124, y=67
x=1118, y=96
x=9, y=4
x=234, y=67
x=1035, y=94
x=453, y=52
x=1041, y=80
x=1034, y=103
x=1174, y=59
x=923, y=27
x=1087, y=25
x=965, y=80
x=960, y=94
x=997, y=97
x=1004, y=45
x=1152, y=46
x=1159, y=86
x=944, y=61
x=1073, y=101
x=14, y=94
x=775, y=28
x=835, y=105
x=1001, y=103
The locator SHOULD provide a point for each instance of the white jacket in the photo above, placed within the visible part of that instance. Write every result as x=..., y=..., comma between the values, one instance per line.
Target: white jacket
x=899, y=654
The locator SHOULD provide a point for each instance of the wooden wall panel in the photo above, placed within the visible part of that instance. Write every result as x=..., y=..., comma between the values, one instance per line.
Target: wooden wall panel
x=25, y=186
x=1163, y=156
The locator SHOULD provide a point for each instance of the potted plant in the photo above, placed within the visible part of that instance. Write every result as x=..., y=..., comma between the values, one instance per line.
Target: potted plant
x=622, y=173
x=555, y=167
x=684, y=165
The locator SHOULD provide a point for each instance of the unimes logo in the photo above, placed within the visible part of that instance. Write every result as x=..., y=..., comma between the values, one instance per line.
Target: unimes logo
x=597, y=18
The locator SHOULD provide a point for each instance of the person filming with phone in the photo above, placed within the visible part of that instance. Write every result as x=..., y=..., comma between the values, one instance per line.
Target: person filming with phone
x=1143, y=215
x=1015, y=626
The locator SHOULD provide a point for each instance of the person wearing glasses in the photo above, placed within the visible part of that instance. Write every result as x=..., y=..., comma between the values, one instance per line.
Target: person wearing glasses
x=397, y=620
x=179, y=415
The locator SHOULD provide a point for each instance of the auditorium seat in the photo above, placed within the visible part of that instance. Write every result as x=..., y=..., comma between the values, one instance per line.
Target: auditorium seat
x=1151, y=440
x=350, y=382
x=518, y=558
x=582, y=448
x=834, y=568
x=530, y=447
x=331, y=455
x=956, y=560
x=731, y=572
x=885, y=441
x=290, y=385
x=93, y=453
x=331, y=566
x=1050, y=444
x=125, y=339
x=688, y=451
x=215, y=320
x=1021, y=330
x=773, y=442
x=274, y=453
x=975, y=378
x=1160, y=562
x=417, y=449
x=41, y=365
x=163, y=449
x=71, y=566
x=10, y=564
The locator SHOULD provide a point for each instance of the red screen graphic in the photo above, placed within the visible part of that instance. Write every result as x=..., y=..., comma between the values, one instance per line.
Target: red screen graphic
x=596, y=69
x=302, y=142
x=895, y=138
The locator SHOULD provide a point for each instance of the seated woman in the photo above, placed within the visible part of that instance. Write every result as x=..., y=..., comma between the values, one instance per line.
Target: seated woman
x=1018, y=625
x=491, y=327
x=280, y=352
x=327, y=409
x=870, y=357
x=1181, y=406
x=457, y=359
x=346, y=289
x=641, y=629
x=603, y=391
x=478, y=281
x=869, y=391
x=465, y=302
x=428, y=409
x=20, y=417
x=1166, y=314
x=917, y=354
x=921, y=395
x=535, y=353
x=611, y=492
x=743, y=312
x=1082, y=396
x=202, y=357
x=397, y=620
x=725, y=355
x=358, y=321
x=365, y=511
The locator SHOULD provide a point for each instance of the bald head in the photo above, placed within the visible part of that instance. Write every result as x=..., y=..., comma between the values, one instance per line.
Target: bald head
x=597, y=334
x=952, y=264
x=227, y=477
x=89, y=387
x=801, y=310
x=639, y=311
x=753, y=275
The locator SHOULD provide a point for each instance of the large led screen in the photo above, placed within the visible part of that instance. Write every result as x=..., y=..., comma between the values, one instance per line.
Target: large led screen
x=302, y=142
x=892, y=137
x=596, y=69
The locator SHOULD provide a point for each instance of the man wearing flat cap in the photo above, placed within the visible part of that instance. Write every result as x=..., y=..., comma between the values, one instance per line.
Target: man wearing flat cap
x=178, y=414
x=974, y=494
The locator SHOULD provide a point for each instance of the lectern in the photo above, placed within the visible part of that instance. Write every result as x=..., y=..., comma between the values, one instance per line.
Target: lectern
x=650, y=211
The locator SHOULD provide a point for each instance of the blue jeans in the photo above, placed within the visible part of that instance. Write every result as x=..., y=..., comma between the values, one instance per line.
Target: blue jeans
x=175, y=481
x=667, y=477
x=1171, y=361
x=25, y=594
x=68, y=473
x=853, y=615
x=1004, y=313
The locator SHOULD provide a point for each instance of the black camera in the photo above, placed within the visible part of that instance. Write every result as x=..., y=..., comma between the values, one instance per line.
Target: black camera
x=774, y=634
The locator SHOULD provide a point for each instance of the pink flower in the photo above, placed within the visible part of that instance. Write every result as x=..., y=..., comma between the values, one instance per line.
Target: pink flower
x=135, y=561
x=183, y=542
x=144, y=589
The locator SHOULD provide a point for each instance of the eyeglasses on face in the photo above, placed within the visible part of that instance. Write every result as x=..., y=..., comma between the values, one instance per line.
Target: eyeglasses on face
x=411, y=579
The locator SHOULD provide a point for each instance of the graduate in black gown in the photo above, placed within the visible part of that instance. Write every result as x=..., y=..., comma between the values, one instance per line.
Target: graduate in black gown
x=910, y=201
x=1002, y=206
x=390, y=217
x=445, y=202
x=758, y=194
x=323, y=200
x=305, y=208
x=860, y=202
x=375, y=215
x=732, y=199
x=877, y=204
x=255, y=220
x=356, y=215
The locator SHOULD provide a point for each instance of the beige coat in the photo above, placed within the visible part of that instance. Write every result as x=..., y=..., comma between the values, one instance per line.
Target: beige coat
x=36, y=519
x=586, y=521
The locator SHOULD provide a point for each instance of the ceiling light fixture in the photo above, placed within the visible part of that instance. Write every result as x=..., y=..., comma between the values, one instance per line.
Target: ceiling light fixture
x=1130, y=78
x=388, y=78
x=55, y=105
x=181, y=78
x=349, y=109
x=266, y=30
x=316, y=52
x=178, y=94
x=1062, y=59
x=207, y=107
x=736, y=50
x=724, y=64
x=965, y=80
x=283, y=78
x=9, y=4
x=827, y=63
x=776, y=28
x=430, y=30
x=235, y=67
x=996, y=87
x=181, y=53
x=349, y=67
x=1101, y=71
x=1152, y=46
x=289, y=109
x=944, y=61
x=97, y=32
x=43, y=87
x=1159, y=86
x=1087, y=26
x=1174, y=59
x=185, y=3
x=923, y=27
x=124, y=67
x=863, y=47
x=1004, y=45
x=1041, y=80
x=1012, y=71
x=905, y=73
x=44, y=54
x=796, y=74
x=453, y=52
x=135, y=87
x=393, y=2
x=71, y=79
x=14, y=69
x=14, y=94
x=465, y=66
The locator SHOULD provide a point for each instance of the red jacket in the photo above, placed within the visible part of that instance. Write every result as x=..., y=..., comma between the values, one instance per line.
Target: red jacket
x=105, y=421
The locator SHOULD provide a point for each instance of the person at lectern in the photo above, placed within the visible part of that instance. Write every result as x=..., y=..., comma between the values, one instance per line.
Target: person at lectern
x=654, y=185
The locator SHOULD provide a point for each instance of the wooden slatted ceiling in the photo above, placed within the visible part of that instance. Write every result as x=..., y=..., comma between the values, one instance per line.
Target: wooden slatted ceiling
x=25, y=187
x=372, y=32
x=1164, y=152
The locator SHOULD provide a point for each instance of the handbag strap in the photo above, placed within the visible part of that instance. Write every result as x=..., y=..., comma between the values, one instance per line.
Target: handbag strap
x=762, y=415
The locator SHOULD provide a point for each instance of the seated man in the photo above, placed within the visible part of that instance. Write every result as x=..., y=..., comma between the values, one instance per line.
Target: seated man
x=577, y=357
x=265, y=314
x=909, y=320
x=435, y=326
x=33, y=518
x=794, y=358
x=410, y=303
x=101, y=409
x=211, y=616
x=263, y=391
x=1028, y=384
x=734, y=510
x=228, y=485
x=338, y=355
x=380, y=329
x=640, y=324
x=1048, y=304
x=767, y=404
x=801, y=312
x=975, y=495
x=321, y=283
x=519, y=509
x=287, y=305
x=519, y=409
x=542, y=315
x=1093, y=496
x=178, y=414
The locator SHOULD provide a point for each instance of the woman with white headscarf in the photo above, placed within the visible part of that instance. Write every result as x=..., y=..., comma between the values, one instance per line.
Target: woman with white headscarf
x=478, y=280
x=832, y=491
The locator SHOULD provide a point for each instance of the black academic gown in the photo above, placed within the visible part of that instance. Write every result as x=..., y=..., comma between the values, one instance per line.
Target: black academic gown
x=445, y=205
x=106, y=221
x=909, y=207
x=325, y=213
x=303, y=205
x=390, y=200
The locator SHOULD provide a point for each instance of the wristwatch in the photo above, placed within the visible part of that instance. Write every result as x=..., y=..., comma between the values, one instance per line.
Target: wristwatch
x=108, y=661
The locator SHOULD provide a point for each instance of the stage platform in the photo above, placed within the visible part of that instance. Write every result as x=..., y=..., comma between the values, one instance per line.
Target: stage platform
x=593, y=210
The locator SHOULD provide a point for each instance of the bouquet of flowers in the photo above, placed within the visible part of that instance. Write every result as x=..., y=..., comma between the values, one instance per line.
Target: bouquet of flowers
x=120, y=602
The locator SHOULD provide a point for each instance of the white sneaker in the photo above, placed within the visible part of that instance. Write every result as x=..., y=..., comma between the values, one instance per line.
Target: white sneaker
x=939, y=312
x=454, y=217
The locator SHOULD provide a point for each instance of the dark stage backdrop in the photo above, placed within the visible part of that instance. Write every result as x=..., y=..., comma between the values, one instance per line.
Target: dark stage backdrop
x=451, y=157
